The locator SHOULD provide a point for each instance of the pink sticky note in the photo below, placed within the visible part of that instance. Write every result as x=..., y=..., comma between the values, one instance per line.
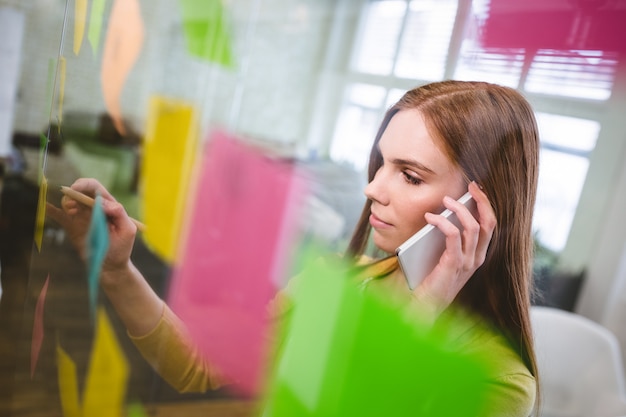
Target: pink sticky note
x=240, y=220
x=555, y=24
x=121, y=50
x=37, y=338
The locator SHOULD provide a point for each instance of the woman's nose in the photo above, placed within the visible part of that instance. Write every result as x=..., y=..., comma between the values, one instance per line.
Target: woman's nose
x=375, y=190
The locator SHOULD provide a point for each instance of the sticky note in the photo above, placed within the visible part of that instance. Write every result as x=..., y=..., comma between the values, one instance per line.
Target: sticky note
x=80, y=19
x=41, y=212
x=123, y=44
x=207, y=34
x=171, y=140
x=68, y=383
x=38, y=332
x=135, y=410
x=43, y=143
x=107, y=373
x=352, y=353
x=243, y=210
x=95, y=24
x=97, y=246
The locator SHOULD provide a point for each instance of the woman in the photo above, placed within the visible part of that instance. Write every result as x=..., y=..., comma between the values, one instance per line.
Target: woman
x=437, y=142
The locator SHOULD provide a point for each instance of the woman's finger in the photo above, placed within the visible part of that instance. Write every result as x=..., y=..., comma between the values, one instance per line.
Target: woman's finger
x=486, y=219
x=92, y=187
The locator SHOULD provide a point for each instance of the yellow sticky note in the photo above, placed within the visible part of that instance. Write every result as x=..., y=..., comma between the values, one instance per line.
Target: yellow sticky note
x=80, y=18
x=68, y=384
x=41, y=212
x=107, y=375
x=171, y=141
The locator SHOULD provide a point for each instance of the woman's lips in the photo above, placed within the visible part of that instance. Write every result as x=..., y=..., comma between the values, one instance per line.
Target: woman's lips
x=378, y=223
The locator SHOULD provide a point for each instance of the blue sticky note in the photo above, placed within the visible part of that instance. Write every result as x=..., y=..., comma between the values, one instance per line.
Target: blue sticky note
x=97, y=246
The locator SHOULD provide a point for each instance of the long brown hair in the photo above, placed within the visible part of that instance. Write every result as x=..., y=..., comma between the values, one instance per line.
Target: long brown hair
x=490, y=132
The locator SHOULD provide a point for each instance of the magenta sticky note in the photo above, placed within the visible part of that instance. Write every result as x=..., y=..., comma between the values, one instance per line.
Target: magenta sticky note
x=555, y=24
x=240, y=221
x=37, y=338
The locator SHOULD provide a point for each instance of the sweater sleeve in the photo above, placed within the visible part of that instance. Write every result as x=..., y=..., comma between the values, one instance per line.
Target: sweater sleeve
x=170, y=351
x=510, y=396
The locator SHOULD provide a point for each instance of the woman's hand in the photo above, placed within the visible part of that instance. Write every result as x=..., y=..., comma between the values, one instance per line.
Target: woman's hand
x=139, y=307
x=465, y=252
x=75, y=218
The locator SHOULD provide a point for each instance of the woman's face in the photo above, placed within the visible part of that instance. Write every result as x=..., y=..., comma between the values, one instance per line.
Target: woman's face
x=414, y=178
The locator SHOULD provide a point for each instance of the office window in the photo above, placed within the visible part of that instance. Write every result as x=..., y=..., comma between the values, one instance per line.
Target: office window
x=500, y=66
x=357, y=124
x=408, y=39
x=580, y=74
x=376, y=45
x=566, y=143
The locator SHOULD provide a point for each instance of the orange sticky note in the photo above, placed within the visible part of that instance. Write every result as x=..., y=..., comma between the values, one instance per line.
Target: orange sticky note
x=68, y=384
x=41, y=212
x=171, y=139
x=107, y=376
x=37, y=338
x=80, y=18
x=121, y=50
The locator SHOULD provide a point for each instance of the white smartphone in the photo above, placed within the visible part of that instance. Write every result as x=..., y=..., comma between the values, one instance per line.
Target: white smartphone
x=419, y=255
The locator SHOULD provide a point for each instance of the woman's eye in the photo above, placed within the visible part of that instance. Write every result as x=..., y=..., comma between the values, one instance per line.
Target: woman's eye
x=411, y=178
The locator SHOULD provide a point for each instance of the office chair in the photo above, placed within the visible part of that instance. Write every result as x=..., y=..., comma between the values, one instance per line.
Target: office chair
x=580, y=365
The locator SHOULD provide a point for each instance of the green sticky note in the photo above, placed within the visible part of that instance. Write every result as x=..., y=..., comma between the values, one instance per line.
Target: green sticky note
x=206, y=31
x=95, y=24
x=350, y=353
x=135, y=409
